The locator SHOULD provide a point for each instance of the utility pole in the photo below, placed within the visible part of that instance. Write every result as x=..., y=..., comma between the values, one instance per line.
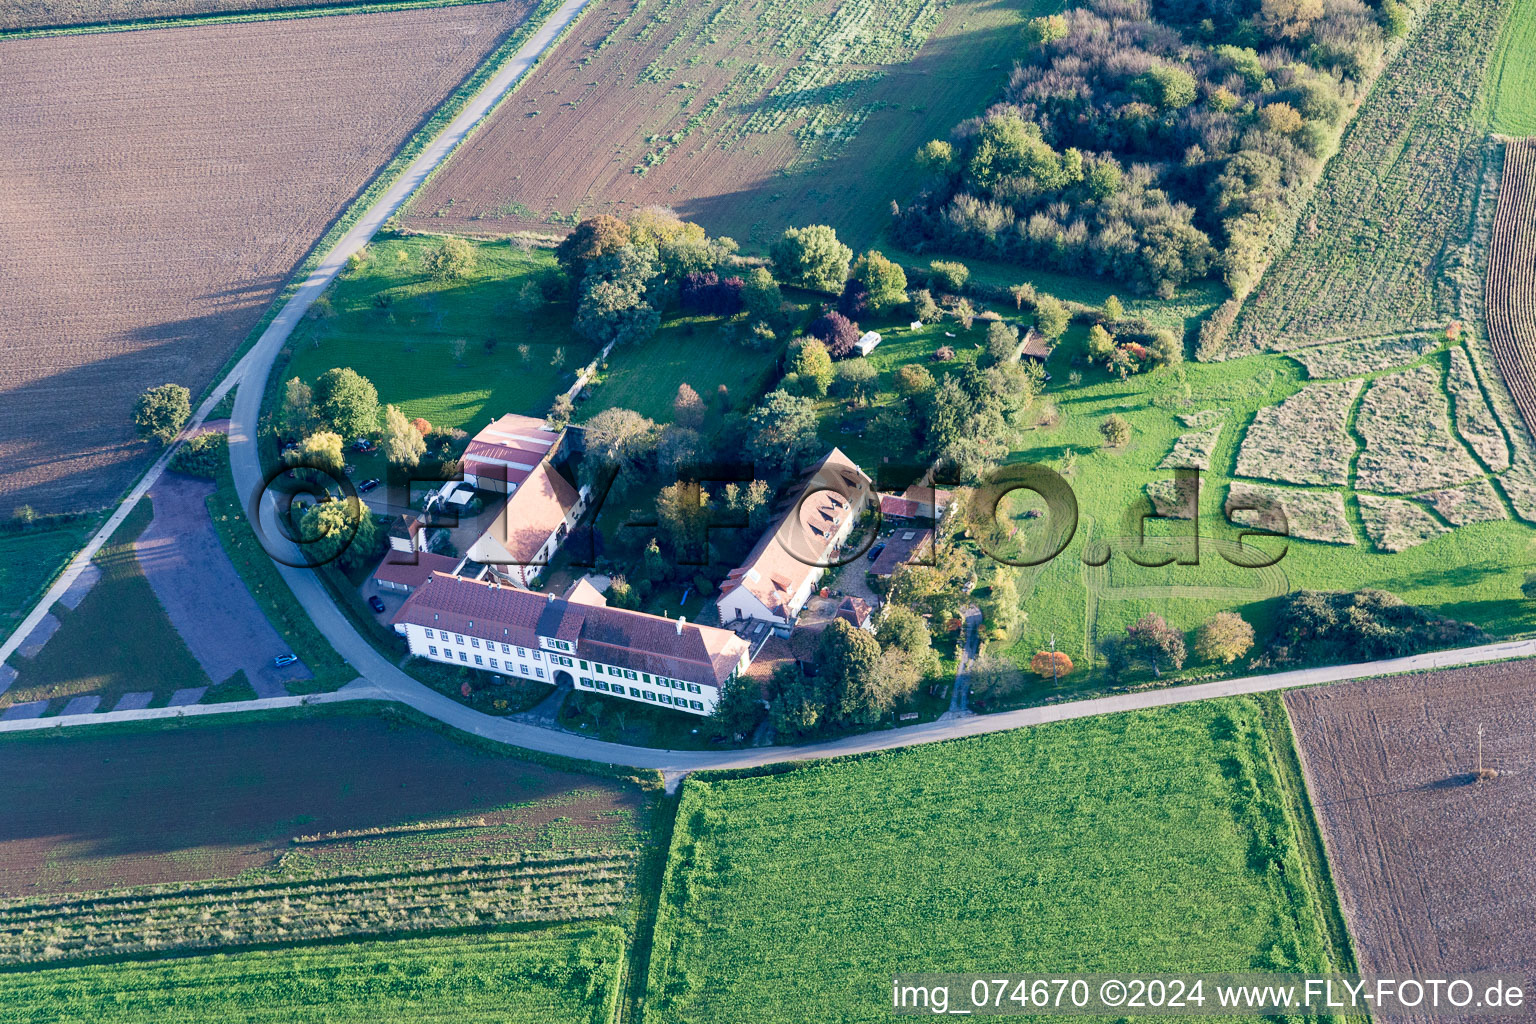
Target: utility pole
x=1055, y=665
x=1479, y=750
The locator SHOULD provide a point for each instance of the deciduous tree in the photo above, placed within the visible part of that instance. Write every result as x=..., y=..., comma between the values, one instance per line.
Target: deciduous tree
x=347, y=402
x=812, y=257
x=162, y=411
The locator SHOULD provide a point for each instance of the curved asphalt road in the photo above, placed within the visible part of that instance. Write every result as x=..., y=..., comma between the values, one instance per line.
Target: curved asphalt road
x=381, y=680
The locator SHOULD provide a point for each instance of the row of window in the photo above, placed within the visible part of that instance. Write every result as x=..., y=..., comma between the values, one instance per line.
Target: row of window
x=479, y=660
x=443, y=634
x=635, y=691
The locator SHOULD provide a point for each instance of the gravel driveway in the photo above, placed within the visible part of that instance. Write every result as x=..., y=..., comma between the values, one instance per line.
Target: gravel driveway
x=203, y=594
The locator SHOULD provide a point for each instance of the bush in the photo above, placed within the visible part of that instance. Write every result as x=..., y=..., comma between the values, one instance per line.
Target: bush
x=449, y=260
x=948, y=276
x=161, y=412
x=836, y=331
x=202, y=456
x=1115, y=430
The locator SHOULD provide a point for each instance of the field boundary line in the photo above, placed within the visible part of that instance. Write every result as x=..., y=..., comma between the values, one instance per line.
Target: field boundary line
x=356, y=690
x=232, y=18
x=295, y=306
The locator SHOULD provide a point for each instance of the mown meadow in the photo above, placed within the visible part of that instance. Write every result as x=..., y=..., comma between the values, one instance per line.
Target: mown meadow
x=1147, y=841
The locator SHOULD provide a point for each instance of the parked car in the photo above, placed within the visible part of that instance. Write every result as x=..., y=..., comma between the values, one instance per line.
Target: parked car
x=368, y=485
x=284, y=659
x=362, y=444
x=376, y=603
x=874, y=552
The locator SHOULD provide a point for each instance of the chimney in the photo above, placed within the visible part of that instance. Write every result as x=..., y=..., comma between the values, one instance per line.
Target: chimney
x=680, y=621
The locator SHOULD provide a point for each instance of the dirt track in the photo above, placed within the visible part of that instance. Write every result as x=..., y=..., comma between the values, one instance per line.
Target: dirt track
x=158, y=188
x=1434, y=869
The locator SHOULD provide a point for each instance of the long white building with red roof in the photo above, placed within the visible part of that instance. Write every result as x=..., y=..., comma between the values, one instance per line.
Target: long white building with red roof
x=517, y=633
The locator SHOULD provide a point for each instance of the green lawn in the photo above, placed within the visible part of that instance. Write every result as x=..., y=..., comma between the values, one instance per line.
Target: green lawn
x=1142, y=842
x=118, y=640
x=407, y=347
x=562, y=976
x=687, y=350
x=29, y=560
x=1511, y=89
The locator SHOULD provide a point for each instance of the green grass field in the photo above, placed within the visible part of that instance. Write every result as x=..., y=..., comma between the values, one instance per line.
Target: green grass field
x=407, y=347
x=563, y=976
x=1512, y=76
x=29, y=560
x=118, y=640
x=686, y=350
x=1472, y=573
x=1150, y=841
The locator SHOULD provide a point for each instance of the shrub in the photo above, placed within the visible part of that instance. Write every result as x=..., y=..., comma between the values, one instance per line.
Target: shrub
x=836, y=331
x=449, y=260
x=1116, y=431
x=924, y=308
x=1051, y=664
x=948, y=276
x=944, y=353
x=202, y=455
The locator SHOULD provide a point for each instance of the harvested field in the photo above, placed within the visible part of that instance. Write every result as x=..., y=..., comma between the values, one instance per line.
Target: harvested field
x=1404, y=420
x=1192, y=451
x=1475, y=422
x=1302, y=440
x=745, y=115
x=1385, y=244
x=1433, y=868
x=1364, y=355
x=40, y=13
x=158, y=252
x=1305, y=515
x=1203, y=418
x=100, y=811
x=1460, y=506
x=1511, y=285
x=1395, y=525
x=1175, y=499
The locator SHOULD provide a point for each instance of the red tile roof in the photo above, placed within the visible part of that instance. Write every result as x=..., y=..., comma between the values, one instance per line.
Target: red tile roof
x=532, y=512
x=412, y=569
x=613, y=636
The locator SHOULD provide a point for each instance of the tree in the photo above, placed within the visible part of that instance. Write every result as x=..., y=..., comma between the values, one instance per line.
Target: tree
x=1002, y=343
x=1044, y=30
x=561, y=411
x=1528, y=588
x=1115, y=430
x=755, y=503
x=1101, y=344
x=1165, y=87
x=614, y=304
x=850, y=659
x=621, y=594
x=924, y=309
x=1225, y=638
x=811, y=257
x=404, y=444
x=798, y=705
x=320, y=451
x=884, y=282
x=298, y=407
x=688, y=408
x=1165, y=348
x=347, y=403
x=739, y=707
x=677, y=450
x=781, y=430
x=857, y=379
x=948, y=276
x=620, y=440
x=1151, y=637
x=342, y=531
x=902, y=628
x=161, y=412
x=936, y=156
x=1051, y=665
x=683, y=511
x=994, y=679
x=914, y=381
x=1114, y=309
x=1051, y=317
x=593, y=238
x=760, y=295
x=836, y=331
x=813, y=365
x=449, y=260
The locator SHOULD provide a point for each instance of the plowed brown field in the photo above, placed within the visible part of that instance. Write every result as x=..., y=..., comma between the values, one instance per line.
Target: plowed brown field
x=156, y=189
x=1511, y=285
x=46, y=13
x=745, y=115
x=1434, y=869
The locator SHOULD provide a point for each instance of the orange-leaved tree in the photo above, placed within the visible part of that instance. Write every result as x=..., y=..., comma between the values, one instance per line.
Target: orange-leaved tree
x=1051, y=664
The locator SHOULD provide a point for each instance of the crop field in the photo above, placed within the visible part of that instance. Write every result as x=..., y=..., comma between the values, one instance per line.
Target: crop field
x=392, y=323
x=1364, y=355
x=1512, y=78
x=1386, y=243
x=157, y=254
x=796, y=896
x=1511, y=286
x=1404, y=420
x=1396, y=525
x=1303, y=439
x=28, y=562
x=1430, y=864
x=1475, y=422
x=563, y=976
x=21, y=14
x=746, y=116
x=286, y=801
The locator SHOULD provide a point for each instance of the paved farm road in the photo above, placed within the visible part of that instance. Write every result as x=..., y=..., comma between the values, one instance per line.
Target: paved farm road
x=381, y=680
